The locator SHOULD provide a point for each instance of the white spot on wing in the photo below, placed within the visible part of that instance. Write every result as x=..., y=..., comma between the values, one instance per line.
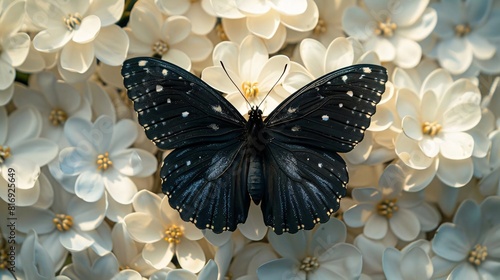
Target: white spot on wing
x=320, y=165
x=344, y=78
x=217, y=108
x=341, y=105
x=169, y=101
x=296, y=128
x=292, y=110
x=367, y=69
x=188, y=163
x=142, y=63
x=164, y=72
x=214, y=126
x=325, y=117
x=185, y=114
x=159, y=88
x=350, y=93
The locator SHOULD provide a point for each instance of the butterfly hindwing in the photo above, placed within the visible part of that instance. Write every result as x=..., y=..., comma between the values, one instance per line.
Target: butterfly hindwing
x=205, y=175
x=177, y=108
x=306, y=177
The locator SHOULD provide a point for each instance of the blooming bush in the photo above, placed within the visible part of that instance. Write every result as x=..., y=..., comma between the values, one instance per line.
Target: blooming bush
x=79, y=181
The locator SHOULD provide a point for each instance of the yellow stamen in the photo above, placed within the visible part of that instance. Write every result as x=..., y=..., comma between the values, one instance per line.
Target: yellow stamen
x=63, y=222
x=103, y=161
x=73, y=21
x=4, y=153
x=387, y=207
x=478, y=254
x=462, y=29
x=57, y=117
x=320, y=27
x=250, y=90
x=173, y=234
x=431, y=128
x=309, y=264
x=386, y=28
x=220, y=32
x=160, y=48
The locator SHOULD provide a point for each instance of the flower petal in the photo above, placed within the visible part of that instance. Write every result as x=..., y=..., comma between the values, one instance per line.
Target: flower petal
x=144, y=228
x=455, y=55
x=111, y=45
x=36, y=219
x=15, y=49
x=199, y=53
x=158, y=254
x=461, y=117
x=89, y=186
x=429, y=146
x=253, y=56
x=108, y=11
x=421, y=28
x=339, y=54
x=281, y=268
x=175, y=29
x=77, y=57
x=456, y=145
x=416, y=262
x=408, y=103
x=357, y=215
x=391, y=262
x=190, y=255
x=407, y=52
x=254, y=227
x=178, y=58
x=88, y=30
x=383, y=47
x=23, y=124
x=87, y=216
x=75, y=241
x=356, y=23
x=412, y=128
x=455, y=173
x=342, y=259
x=264, y=26
x=281, y=243
x=451, y=243
x=52, y=39
x=376, y=227
x=405, y=225
x=304, y=21
x=6, y=82
x=120, y=187
x=410, y=153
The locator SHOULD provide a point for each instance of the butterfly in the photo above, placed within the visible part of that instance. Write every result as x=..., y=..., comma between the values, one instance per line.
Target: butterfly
x=287, y=162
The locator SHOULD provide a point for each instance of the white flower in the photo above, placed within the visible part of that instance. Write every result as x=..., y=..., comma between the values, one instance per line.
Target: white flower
x=490, y=183
x=200, y=13
x=36, y=263
x=329, y=24
x=128, y=252
x=246, y=261
x=387, y=210
x=209, y=272
x=87, y=265
x=160, y=227
x=81, y=29
x=412, y=260
x=372, y=251
x=317, y=254
x=268, y=19
x=14, y=46
x=249, y=66
x=70, y=224
x=435, y=122
x=171, y=38
x=21, y=149
x=100, y=157
x=469, y=248
x=467, y=33
x=56, y=102
x=391, y=28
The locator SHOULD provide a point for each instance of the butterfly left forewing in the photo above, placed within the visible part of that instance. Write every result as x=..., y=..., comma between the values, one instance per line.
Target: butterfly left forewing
x=204, y=176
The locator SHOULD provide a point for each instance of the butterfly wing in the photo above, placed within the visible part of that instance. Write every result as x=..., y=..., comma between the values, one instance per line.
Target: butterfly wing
x=305, y=176
x=204, y=177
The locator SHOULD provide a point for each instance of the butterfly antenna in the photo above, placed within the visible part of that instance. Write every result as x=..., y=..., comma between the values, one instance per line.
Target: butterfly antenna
x=281, y=76
x=224, y=68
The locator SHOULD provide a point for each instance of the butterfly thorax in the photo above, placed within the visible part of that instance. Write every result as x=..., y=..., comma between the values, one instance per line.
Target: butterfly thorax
x=257, y=140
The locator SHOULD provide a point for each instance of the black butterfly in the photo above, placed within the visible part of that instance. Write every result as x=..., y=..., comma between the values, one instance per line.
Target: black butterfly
x=287, y=162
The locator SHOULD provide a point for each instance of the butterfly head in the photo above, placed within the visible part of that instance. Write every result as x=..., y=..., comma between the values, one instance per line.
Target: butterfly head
x=255, y=113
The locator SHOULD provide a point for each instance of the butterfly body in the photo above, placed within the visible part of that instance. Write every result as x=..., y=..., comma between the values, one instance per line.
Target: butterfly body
x=286, y=163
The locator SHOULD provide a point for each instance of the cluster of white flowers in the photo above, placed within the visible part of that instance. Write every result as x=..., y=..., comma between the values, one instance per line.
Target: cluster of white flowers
x=79, y=184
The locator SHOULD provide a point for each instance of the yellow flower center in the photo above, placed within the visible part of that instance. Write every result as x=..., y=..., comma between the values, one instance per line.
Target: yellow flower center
x=103, y=161
x=478, y=254
x=431, y=128
x=160, y=48
x=309, y=264
x=320, y=27
x=123, y=267
x=462, y=29
x=386, y=28
x=63, y=222
x=173, y=234
x=387, y=207
x=220, y=32
x=57, y=117
x=4, y=153
x=73, y=21
x=250, y=90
